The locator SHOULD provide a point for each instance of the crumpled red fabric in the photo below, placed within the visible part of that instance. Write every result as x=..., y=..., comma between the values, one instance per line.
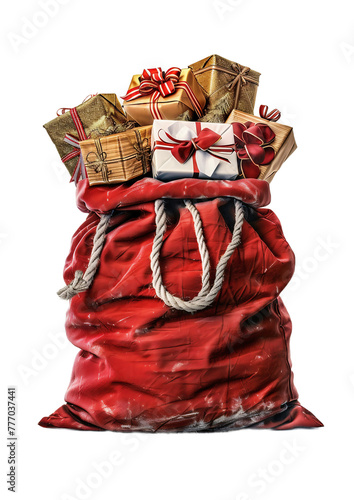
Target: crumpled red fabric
x=143, y=366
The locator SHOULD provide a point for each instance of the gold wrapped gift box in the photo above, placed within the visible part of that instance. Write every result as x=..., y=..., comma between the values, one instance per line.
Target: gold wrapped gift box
x=227, y=85
x=117, y=157
x=99, y=115
x=284, y=143
x=174, y=106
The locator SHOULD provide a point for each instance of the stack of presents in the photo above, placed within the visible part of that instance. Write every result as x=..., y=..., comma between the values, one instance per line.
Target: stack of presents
x=194, y=122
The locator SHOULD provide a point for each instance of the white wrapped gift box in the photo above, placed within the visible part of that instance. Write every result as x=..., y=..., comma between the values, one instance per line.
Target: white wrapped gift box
x=193, y=149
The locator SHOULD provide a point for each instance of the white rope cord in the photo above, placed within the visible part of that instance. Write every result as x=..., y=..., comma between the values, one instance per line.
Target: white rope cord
x=205, y=297
x=158, y=241
x=82, y=281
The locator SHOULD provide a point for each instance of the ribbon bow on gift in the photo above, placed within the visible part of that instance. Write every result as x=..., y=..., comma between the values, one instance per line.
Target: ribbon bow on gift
x=156, y=79
x=241, y=75
x=184, y=144
x=253, y=146
x=158, y=83
x=79, y=170
x=143, y=151
x=99, y=162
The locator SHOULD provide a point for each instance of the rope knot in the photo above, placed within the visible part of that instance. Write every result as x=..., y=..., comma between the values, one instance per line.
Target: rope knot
x=82, y=281
x=77, y=285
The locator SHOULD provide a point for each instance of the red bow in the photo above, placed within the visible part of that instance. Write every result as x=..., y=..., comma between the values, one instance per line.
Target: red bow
x=153, y=80
x=185, y=149
x=252, y=145
x=158, y=83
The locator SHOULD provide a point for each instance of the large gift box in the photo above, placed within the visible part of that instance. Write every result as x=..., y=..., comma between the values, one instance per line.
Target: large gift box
x=227, y=85
x=155, y=94
x=262, y=145
x=98, y=115
x=193, y=149
x=117, y=157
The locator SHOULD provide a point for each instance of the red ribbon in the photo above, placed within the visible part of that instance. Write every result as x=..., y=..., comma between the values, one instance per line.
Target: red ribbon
x=79, y=171
x=161, y=84
x=61, y=111
x=154, y=79
x=183, y=150
x=252, y=146
x=272, y=116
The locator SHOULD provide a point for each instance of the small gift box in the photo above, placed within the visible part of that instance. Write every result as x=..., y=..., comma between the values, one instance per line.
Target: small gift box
x=169, y=95
x=98, y=115
x=193, y=149
x=117, y=157
x=262, y=145
x=227, y=85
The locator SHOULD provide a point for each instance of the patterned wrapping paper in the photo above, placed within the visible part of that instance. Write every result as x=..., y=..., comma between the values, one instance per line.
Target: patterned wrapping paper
x=118, y=157
x=193, y=149
x=227, y=85
x=100, y=114
x=284, y=143
x=176, y=105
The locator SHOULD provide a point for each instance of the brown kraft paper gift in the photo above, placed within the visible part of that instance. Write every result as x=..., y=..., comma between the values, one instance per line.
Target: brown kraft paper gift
x=284, y=143
x=118, y=157
x=227, y=85
x=99, y=115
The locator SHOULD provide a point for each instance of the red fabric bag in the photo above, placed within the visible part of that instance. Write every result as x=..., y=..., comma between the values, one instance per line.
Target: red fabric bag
x=146, y=366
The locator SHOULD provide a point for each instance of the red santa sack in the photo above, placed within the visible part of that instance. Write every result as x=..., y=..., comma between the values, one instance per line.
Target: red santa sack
x=178, y=317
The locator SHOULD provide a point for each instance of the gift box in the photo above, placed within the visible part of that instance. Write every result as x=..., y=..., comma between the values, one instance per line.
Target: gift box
x=193, y=149
x=227, y=85
x=155, y=94
x=117, y=157
x=254, y=133
x=98, y=115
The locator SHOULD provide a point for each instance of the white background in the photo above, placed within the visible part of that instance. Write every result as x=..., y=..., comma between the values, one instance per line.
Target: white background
x=305, y=52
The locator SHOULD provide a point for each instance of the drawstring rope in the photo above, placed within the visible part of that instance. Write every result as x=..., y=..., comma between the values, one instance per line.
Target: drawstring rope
x=205, y=297
x=82, y=281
